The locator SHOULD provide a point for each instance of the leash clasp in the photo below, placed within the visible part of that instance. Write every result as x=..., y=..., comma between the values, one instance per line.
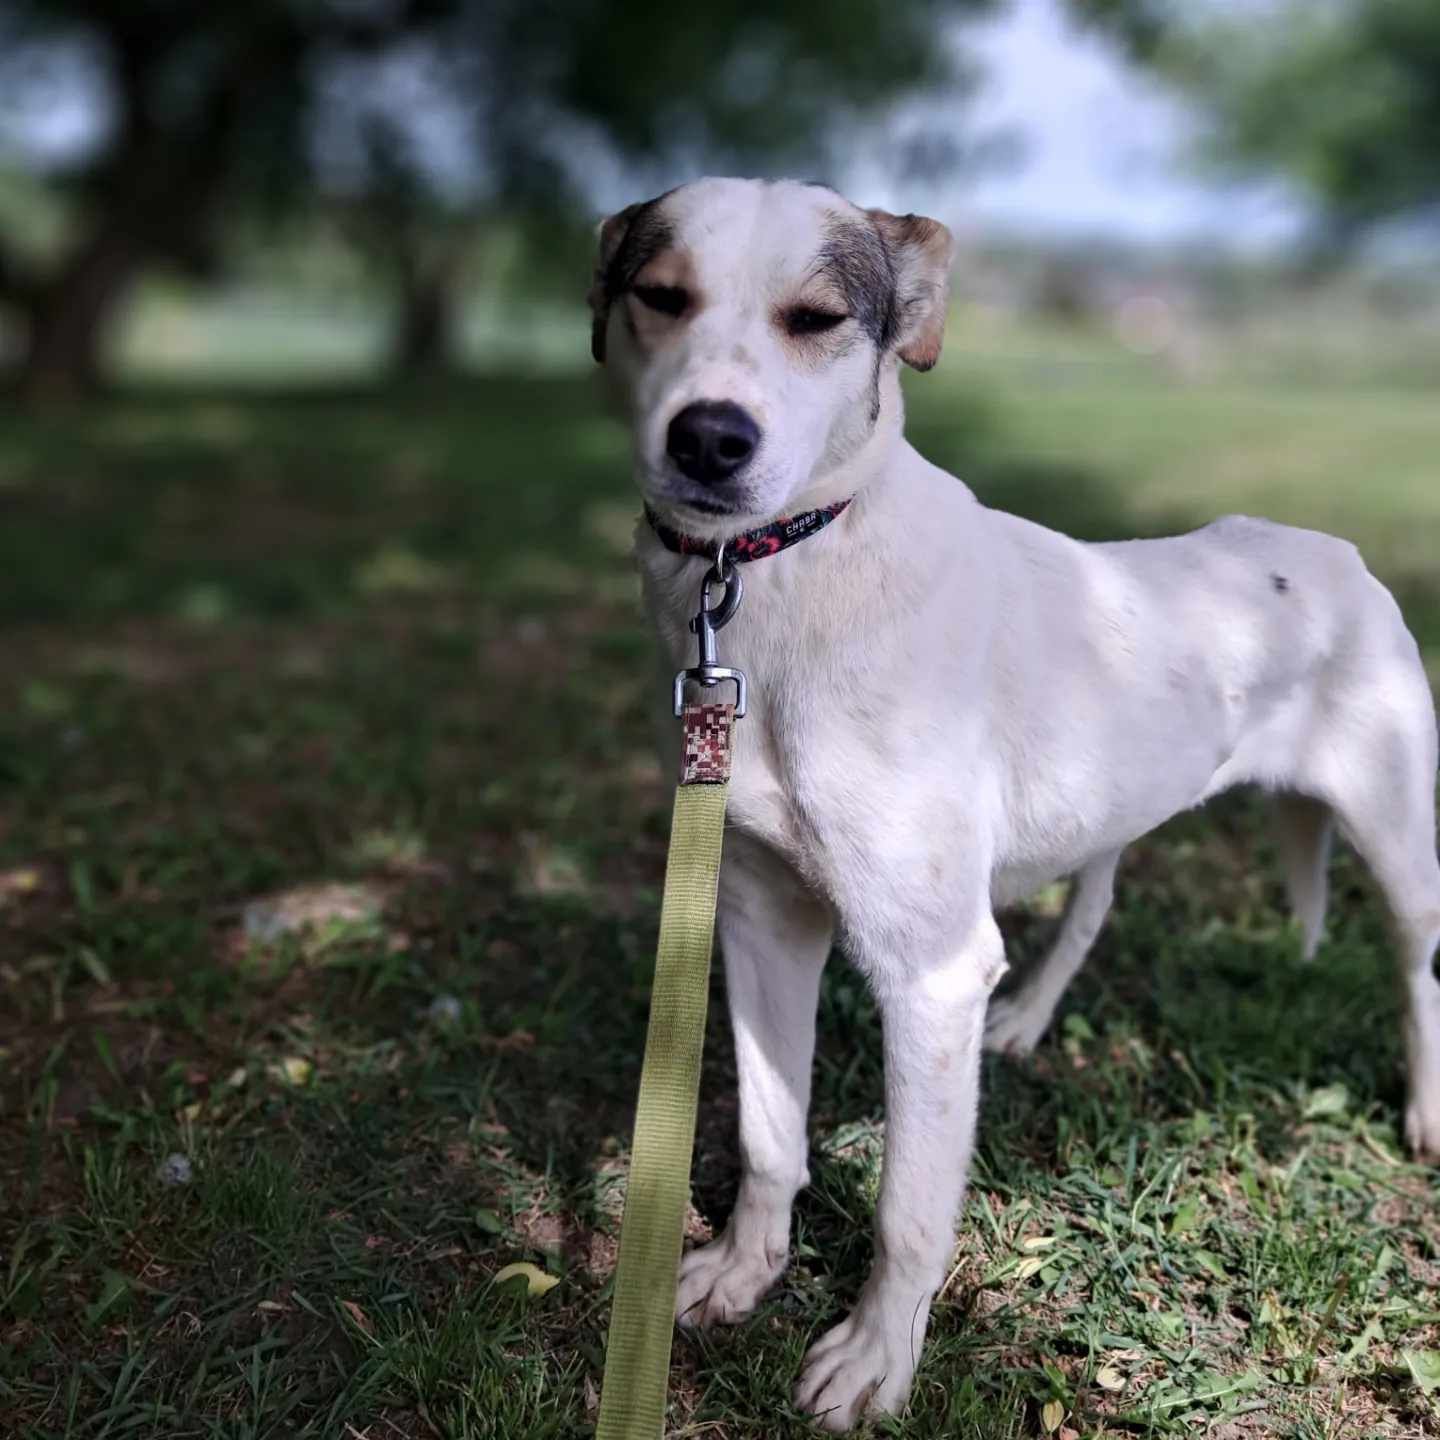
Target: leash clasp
x=710, y=618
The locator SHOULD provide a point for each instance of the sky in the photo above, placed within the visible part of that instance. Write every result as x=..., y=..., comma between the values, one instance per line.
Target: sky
x=1104, y=149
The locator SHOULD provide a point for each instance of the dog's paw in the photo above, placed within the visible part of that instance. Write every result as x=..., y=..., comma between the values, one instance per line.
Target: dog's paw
x=721, y=1283
x=1012, y=1027
x=861, y=1366
x=1422, y=1126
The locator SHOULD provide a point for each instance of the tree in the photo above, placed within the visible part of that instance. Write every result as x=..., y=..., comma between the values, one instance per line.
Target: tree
x=207, y=99
x=226, y=103
x=558, y=93
x=1341, y=96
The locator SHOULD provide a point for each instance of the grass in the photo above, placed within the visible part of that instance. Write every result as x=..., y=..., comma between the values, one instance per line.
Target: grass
x=258, y=644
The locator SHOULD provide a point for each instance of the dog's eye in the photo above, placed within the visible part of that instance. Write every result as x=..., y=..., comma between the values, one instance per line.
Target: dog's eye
x=667, y=299
x=804, y=320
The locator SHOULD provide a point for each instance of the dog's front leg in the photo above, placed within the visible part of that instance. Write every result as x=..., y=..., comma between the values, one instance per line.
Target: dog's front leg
x=933, y=1017
x=775, y=937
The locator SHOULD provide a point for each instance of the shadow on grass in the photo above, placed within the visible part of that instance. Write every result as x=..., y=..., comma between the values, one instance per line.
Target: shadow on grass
x=1195, y=1000
x=213, y=506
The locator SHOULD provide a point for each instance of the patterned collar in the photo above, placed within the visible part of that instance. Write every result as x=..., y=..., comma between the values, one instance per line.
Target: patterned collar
x=752, y=544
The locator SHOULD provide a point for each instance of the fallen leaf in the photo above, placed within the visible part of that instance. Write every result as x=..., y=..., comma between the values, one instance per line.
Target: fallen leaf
x=1051, y=1414
x=1187, y=1216
x=515, y=1040
x=1329, y=1100
x=293, y=1070
x=1210, y=1261
x=1107, y=1377
x=1424, y=1366
x=358, y=1316
x=1037, y=1242
x=23, y=881
x=537, y=1282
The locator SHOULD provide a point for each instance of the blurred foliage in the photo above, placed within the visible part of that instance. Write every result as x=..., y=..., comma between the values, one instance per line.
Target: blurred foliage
x=419, y=121
x=1341, y=97
x=193, y=104
x=749, y=83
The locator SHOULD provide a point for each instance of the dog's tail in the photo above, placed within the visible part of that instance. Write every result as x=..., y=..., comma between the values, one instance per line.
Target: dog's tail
x=1303, y=828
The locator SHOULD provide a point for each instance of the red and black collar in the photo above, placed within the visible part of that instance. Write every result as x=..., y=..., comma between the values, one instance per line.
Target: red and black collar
x=751, y=544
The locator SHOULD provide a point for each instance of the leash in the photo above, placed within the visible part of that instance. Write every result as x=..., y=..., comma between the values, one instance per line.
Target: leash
x=642, y=1316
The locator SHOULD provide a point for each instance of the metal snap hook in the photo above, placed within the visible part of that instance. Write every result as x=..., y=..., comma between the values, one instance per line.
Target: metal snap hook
x=710, y=618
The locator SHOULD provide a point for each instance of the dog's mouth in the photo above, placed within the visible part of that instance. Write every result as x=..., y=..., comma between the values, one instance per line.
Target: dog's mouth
x=674, y=493
x=709, y=507
x=701, y=515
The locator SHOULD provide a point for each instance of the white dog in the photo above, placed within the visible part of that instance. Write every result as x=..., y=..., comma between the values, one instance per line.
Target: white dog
x=950, y=707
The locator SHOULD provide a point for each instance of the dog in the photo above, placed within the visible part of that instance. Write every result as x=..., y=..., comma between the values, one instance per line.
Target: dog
x=950, y=708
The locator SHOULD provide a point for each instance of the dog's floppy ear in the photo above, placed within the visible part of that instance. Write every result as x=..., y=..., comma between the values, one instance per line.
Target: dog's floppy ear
x=922, y=251
x=610, y=234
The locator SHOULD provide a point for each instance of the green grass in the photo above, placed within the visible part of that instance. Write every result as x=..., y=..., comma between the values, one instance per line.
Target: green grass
x=254, y=643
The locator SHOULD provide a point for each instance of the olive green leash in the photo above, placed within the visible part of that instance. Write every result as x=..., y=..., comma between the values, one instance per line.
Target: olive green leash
x=642, y=1317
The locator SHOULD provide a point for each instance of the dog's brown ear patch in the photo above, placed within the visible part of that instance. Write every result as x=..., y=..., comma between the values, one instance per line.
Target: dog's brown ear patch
x=629, y=240
x=610, y=234
x=922, y=251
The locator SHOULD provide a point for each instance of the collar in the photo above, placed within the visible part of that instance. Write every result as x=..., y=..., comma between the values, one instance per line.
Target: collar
x=756, y=544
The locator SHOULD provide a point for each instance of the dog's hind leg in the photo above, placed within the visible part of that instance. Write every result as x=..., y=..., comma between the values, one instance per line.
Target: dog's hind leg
x=1303, y=828
x=1376, y=767
x=1420, y=939
x=1015, y=1023
x=1409, y=875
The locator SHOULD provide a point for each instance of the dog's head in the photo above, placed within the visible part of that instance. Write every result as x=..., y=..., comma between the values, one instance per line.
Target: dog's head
x=754, y=329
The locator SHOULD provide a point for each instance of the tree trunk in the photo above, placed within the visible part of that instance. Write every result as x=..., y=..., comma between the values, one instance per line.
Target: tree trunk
x=161, y=185
x=424, y=344
x=67, y=320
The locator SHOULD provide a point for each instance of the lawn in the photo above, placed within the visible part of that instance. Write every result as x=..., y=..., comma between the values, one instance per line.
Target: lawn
x=330, y=843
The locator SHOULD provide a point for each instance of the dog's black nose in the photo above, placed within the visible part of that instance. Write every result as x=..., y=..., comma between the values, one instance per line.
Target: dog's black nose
x=711, y=439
